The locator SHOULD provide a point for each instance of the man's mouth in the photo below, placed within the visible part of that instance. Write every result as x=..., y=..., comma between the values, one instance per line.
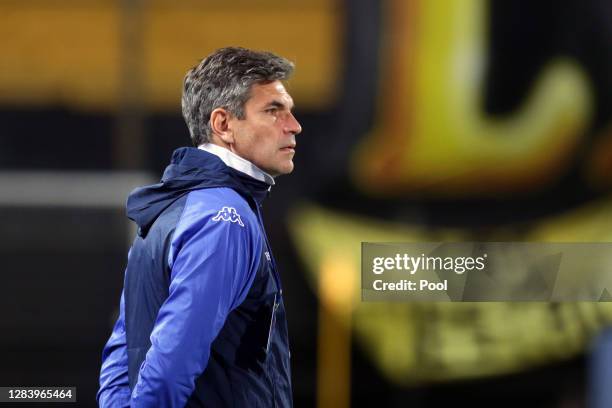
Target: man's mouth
x=289, y=148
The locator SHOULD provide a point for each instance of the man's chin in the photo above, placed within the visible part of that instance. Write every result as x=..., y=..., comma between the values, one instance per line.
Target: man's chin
x=287, y=169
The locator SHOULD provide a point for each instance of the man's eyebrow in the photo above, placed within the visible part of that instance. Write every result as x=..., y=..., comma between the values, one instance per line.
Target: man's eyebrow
x=278, y=104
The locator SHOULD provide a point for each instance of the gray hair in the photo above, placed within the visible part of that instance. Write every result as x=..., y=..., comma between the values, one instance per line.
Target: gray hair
x=224, y=80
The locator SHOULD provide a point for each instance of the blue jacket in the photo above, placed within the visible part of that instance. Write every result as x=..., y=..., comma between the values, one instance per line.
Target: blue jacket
x=201, y=318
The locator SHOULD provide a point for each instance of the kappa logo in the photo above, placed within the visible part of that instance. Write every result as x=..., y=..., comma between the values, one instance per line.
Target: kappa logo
x=228, y=214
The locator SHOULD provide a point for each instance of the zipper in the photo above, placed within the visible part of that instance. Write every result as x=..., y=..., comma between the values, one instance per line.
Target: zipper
x=272, y=323
x=276, y=304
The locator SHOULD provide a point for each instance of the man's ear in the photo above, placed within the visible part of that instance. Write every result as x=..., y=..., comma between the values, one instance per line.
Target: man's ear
x=220, y=125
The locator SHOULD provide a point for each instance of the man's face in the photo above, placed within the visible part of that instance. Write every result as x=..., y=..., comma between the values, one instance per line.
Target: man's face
x=266, y=136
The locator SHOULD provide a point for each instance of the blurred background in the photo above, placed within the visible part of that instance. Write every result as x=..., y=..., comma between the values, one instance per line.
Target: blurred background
x=435, y=120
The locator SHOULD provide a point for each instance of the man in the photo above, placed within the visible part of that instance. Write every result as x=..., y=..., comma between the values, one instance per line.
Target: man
x=201, y=319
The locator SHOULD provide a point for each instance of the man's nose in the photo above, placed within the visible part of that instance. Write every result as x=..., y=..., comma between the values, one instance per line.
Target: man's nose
x=292, y=125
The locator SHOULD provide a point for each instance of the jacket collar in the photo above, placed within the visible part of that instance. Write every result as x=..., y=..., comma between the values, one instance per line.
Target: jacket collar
x=237, y=163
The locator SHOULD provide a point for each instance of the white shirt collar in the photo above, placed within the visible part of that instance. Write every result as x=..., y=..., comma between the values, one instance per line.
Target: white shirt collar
x=237, y=163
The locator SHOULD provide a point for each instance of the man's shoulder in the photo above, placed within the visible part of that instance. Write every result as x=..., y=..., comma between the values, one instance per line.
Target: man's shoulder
x=212, y=198
x=216, y=216
x=218, y=204
x=217, y=194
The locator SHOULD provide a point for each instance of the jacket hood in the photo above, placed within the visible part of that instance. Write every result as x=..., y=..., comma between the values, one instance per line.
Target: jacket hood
x=189, y=169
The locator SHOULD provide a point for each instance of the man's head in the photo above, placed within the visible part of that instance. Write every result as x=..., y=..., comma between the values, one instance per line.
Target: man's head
x=235, y=98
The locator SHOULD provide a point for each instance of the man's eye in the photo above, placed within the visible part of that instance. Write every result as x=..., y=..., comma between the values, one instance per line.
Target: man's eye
x=272, y=110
